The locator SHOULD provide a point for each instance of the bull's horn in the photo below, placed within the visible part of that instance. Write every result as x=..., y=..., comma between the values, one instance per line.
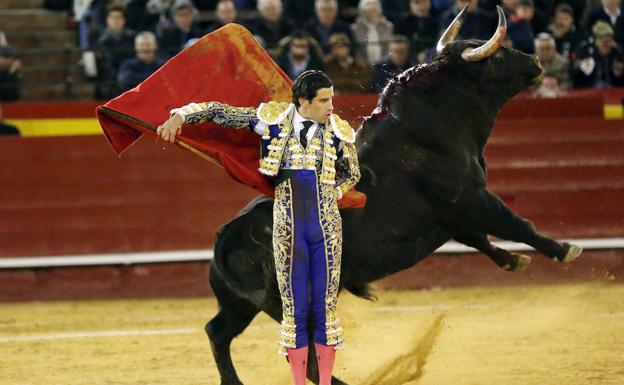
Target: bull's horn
x=487, y=49
x=451, y=31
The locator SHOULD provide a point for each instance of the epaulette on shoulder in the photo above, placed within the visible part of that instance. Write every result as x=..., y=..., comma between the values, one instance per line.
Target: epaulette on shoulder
x=274, y=112
x=342, y=129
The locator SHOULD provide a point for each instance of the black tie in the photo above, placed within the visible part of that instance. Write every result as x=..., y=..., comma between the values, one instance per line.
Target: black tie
x=302, y=134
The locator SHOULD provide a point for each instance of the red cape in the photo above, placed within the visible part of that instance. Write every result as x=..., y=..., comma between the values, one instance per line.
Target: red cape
x=228, y=66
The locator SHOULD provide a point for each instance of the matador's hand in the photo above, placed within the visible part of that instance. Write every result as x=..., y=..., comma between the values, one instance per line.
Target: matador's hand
x=171, y=128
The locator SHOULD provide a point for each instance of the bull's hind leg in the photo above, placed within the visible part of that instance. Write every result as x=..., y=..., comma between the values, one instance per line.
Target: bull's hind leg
x=503, y=258
x=235, y=314
x=484, y=212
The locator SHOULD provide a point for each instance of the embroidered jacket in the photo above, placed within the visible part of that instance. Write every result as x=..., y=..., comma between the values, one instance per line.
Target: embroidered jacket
x=332, y=153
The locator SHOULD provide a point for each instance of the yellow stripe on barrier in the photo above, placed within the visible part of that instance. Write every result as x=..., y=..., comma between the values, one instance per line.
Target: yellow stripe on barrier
x=57, y=127
x=614, y=111
x=90, y=126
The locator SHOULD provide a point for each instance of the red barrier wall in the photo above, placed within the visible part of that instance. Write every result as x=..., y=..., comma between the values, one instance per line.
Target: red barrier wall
x=71, y=195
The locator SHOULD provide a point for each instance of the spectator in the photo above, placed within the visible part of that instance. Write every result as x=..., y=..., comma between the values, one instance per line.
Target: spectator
x=520, y=29
x=10, y=83
x=601, y=63
x=478, y=24
x=326, y=23
x=298, y=55
x=3, y=40
x=92, y=22
x=372, y=32
x=608, y=11
x=438, y=7
x=299, y=11
x=552, y=62
x=350, y=76
x=210, y=5
x=159, y=15
x=247, y=5
x=114, y=46
x=508, y=6
x=531, y=13
x=419, y=27
x=134, y=71
x=5, y=128
x=397, y=62
x=567, y=36
x=395, y=10
x=270, y=25
x=144, y=15
x=226, y=13
x=578, y=10
x=549, y=88
x=173, y=39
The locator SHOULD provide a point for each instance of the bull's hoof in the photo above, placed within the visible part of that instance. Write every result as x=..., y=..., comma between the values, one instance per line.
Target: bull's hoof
x=522, y=262
x=573, y=252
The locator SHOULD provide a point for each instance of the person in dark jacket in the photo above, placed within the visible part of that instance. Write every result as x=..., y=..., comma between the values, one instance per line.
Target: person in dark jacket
x=114, y=46
x=520, y=28
x=478, y=24
x=10, y=83
x=397, y=62
x=599, y=63
x=327, y=23
x=134, y=71
x=184, y=28
x=350, y=75
x=608, y=11
x=270, y=24
x=299, y=55
x=420, y=27
x=226, y=13
x=567, y=35
x=5, y=128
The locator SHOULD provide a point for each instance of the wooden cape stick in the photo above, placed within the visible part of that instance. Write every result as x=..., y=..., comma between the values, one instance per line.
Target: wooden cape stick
x=119, y=115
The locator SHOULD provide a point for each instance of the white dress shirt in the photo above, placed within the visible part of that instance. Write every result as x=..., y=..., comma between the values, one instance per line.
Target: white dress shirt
x=298, y=126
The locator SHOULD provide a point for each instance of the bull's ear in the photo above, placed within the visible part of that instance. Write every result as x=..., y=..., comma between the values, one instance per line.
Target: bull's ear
x=452, y=30
x=487, y=49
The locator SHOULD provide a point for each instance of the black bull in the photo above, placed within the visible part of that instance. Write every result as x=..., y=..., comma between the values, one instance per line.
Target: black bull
x=423, y=170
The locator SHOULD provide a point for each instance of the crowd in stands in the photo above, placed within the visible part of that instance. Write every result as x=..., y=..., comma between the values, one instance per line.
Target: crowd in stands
x=361, y=44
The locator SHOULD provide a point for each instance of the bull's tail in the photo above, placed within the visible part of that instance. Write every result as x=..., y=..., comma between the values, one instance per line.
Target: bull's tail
x=362, y=290
x=227, y=238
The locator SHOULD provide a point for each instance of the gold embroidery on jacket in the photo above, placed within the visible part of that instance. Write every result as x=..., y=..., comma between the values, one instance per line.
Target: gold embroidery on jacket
x=349, y=154
x=343, y=129
x=222, y=114
x=270, y=164
x=269, y=112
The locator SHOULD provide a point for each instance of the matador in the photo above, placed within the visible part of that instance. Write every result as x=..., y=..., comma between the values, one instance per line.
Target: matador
x=309, y=153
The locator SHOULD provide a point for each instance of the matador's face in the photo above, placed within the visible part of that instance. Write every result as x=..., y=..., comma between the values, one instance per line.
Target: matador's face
x=321, y=106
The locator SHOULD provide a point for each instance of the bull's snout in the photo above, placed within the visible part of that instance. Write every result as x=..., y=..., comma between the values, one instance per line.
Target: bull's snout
x=538, y=69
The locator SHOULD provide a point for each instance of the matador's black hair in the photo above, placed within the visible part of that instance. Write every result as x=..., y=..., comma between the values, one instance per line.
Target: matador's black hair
x=307, y=83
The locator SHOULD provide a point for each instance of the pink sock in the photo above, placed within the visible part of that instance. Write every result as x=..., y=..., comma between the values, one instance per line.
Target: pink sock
x=325, y=355
x=298, y=360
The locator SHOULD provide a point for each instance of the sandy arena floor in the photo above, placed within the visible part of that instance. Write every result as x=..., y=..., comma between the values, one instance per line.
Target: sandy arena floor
x=571, y=334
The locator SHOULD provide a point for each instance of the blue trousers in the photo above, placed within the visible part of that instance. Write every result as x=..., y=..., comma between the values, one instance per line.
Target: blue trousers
x=307, y=244
x=309, y=263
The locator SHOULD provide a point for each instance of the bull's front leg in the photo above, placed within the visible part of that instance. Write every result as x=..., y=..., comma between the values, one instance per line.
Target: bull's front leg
x=482, y=211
